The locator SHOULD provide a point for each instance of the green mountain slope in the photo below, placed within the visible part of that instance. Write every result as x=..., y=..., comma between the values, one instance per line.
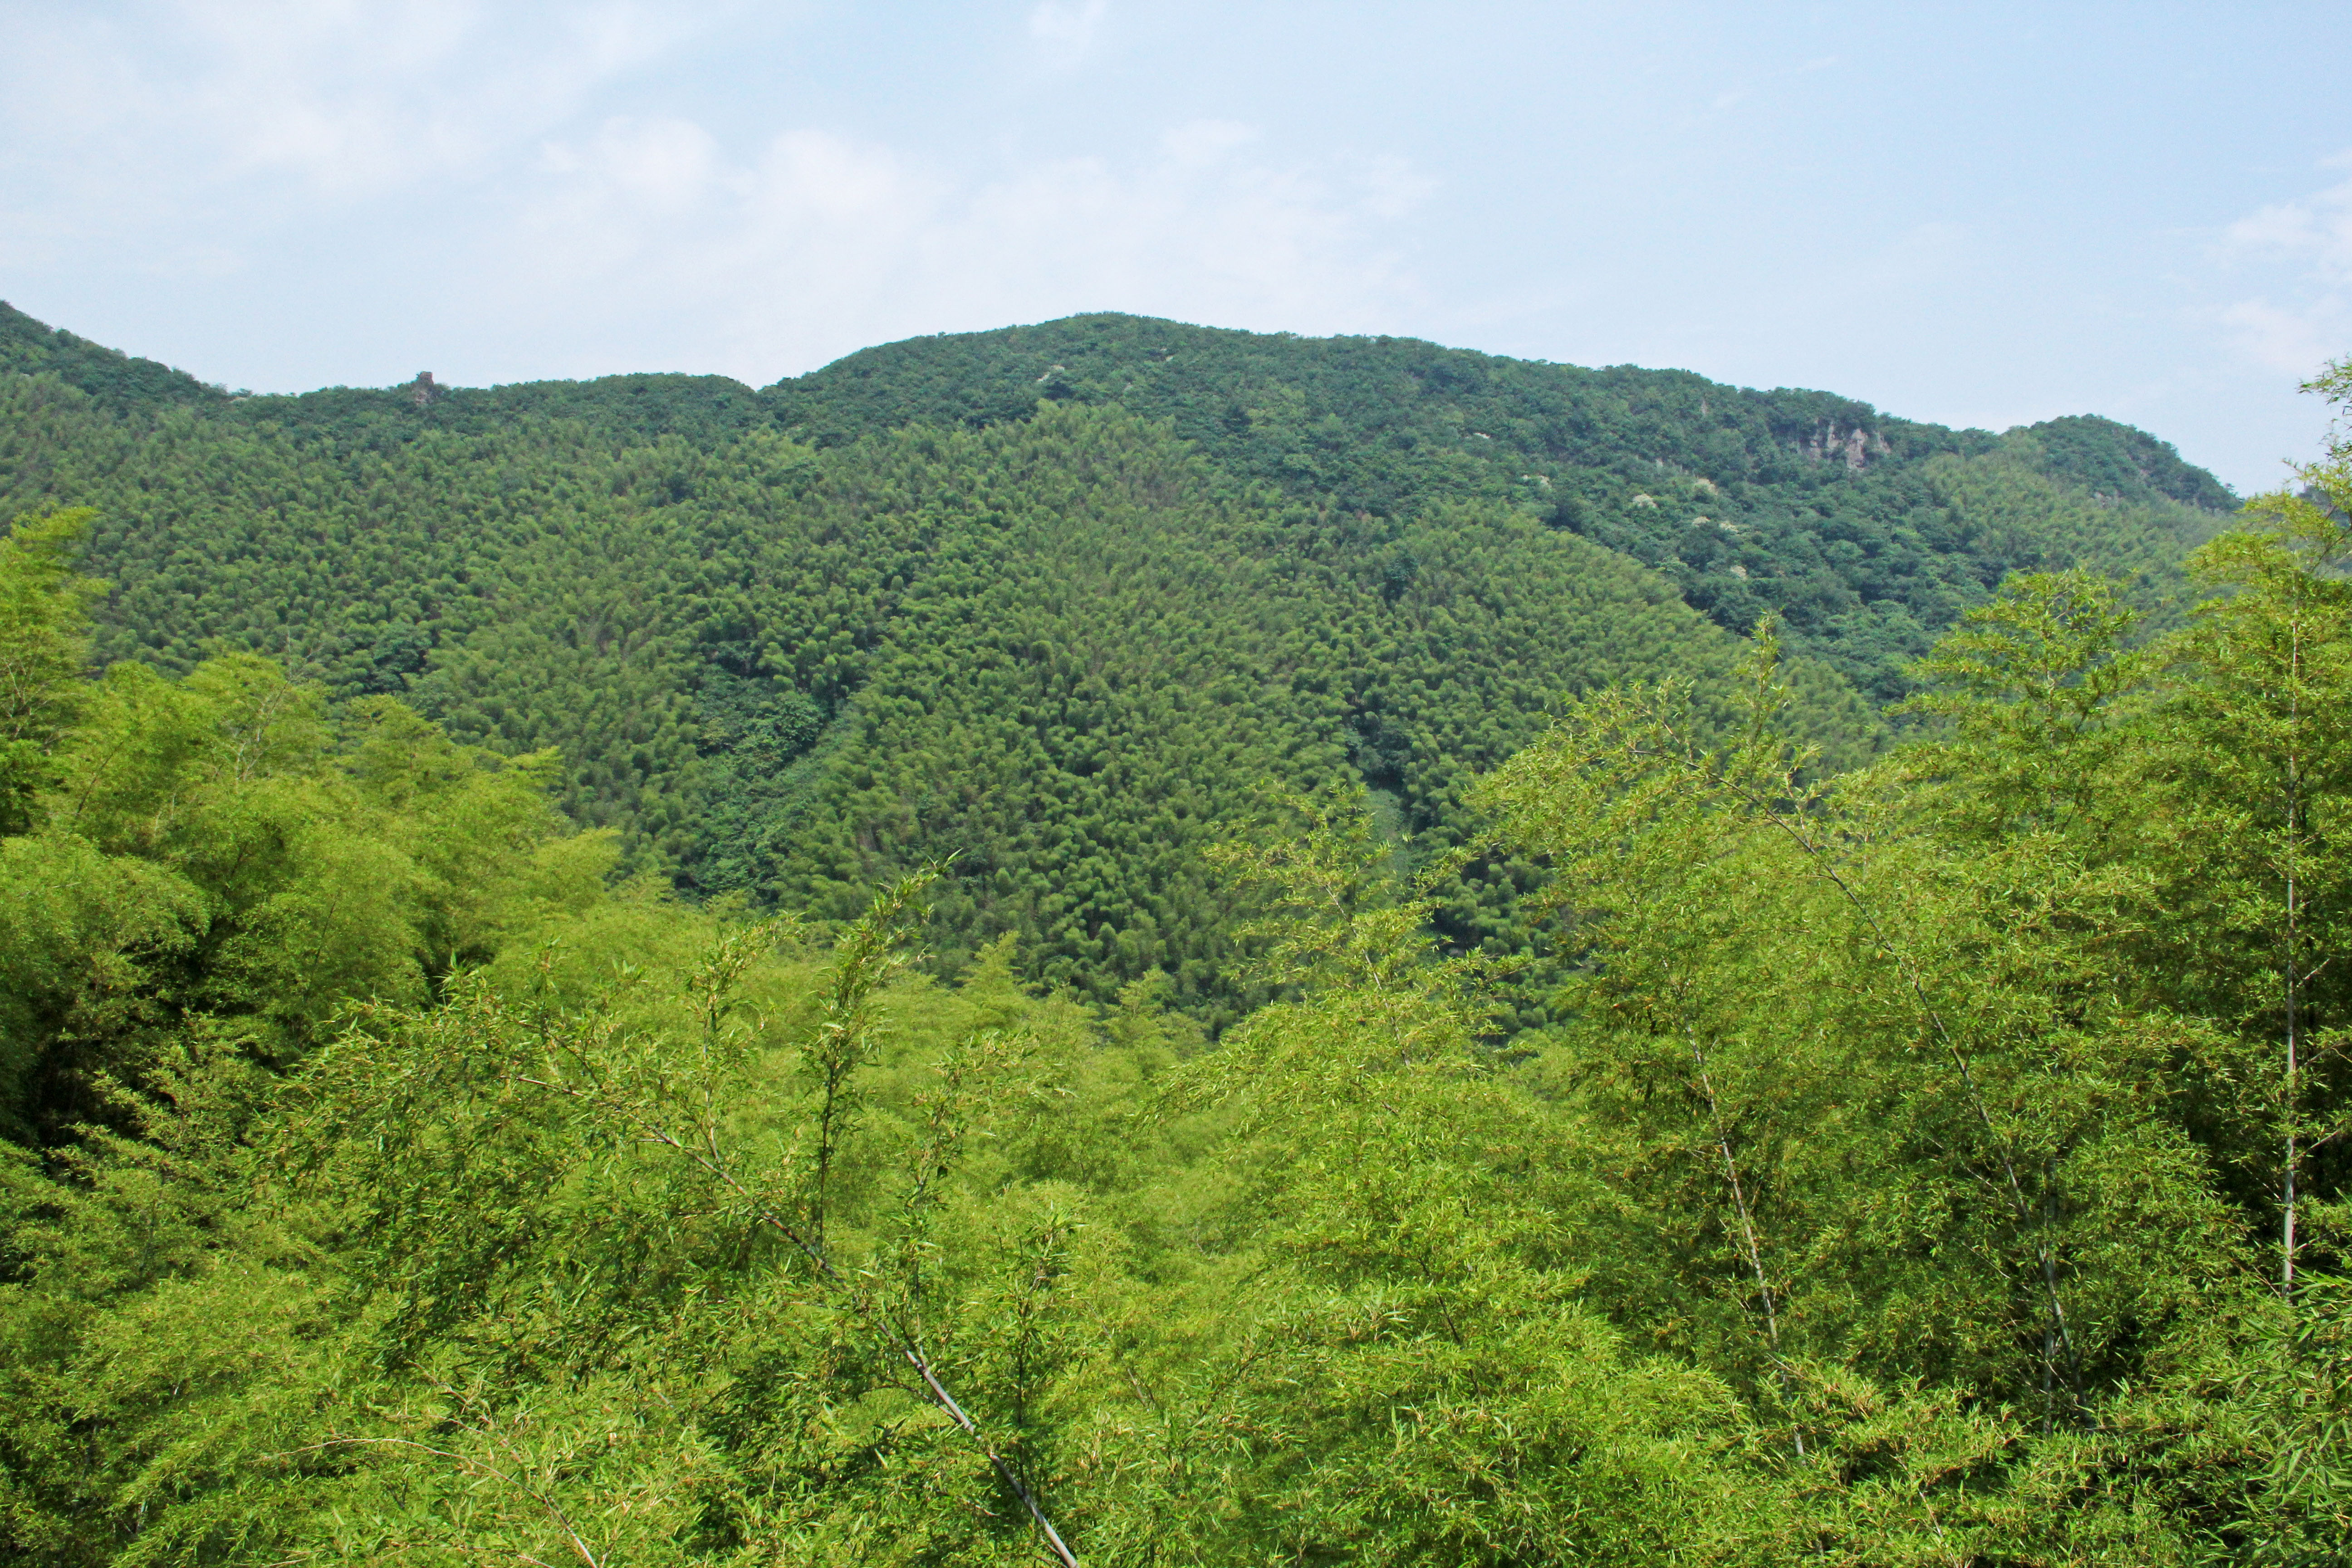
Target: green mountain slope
x=1935, y=1163
x=115, y=380
x=1068, y=650
x=1069, y=603
x=1084, y=658
x=1867, y=534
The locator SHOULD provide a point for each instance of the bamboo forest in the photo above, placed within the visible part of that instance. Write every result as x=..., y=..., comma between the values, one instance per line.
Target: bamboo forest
x=1126, y=944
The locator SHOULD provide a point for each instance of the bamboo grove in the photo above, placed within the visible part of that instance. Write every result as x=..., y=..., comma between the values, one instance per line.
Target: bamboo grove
x=1623, y=1101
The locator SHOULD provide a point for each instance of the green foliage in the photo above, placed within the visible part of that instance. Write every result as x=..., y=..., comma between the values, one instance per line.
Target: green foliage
x=1671, y=1127
x=43, y=637
x=116, y=381
x=1864, y=534
x=212, y=860
x=1066, y=652
x=1834, y=1038
x=2118, y=463
x=786, y=670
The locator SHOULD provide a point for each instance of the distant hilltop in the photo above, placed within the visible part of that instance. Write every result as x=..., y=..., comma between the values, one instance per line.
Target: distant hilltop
x=1863, y=532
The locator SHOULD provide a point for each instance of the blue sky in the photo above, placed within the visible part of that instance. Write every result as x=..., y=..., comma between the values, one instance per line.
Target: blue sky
x=1979, y=215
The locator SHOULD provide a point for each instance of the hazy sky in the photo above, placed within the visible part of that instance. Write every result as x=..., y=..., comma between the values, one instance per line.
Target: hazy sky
x=1980, y=213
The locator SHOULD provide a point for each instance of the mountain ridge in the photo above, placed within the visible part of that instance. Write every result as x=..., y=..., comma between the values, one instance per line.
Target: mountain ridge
x=792, y=641
x=687, y=402
x=1865, y=534
x=1304, y=992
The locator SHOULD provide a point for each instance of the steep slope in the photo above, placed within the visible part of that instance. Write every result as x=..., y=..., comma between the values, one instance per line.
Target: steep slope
x=1867, y=534
x=1070, y=623
x=116, y=381
x=1920, y=1179
x=1069, y=649
x=1064, y=652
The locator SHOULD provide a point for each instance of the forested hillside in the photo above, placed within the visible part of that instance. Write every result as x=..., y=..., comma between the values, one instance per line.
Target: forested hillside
x=1939, y=1162
x=1866, y=534
x=1064, y=603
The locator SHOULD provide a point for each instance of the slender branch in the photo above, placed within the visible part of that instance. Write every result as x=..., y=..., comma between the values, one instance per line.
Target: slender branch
x=1909, y=971
x=903, y=1342
x=466, y=1461
x=1746, y=1221
x=2294, y=997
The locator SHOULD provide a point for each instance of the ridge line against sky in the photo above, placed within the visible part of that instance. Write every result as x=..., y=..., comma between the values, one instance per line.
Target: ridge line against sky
x=1975, y=215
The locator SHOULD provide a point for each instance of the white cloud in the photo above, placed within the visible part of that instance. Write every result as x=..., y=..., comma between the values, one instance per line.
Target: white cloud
x=1065, y=29
x=2305, y=248
x=172, y=109
x=458, y=176
x=2293, y=341
x=2317, y=229
x=820, y=244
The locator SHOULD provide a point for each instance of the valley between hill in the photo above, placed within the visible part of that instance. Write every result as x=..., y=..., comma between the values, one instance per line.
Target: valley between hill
x=1067, y=602
x=1114, y=943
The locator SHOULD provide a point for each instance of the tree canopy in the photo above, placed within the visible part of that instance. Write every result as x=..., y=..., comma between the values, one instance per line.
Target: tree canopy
x=1176, y=1022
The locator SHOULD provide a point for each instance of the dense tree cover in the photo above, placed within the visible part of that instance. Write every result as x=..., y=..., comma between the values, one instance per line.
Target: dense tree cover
x=547, y=553
x=222, y=858
x=776, y=639
x=1090, y=664
x=116, y=381
x=2118, y=463
x=1940, y=1162
x=1864, y=534
x=1068, y=650
x=1854, y=528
